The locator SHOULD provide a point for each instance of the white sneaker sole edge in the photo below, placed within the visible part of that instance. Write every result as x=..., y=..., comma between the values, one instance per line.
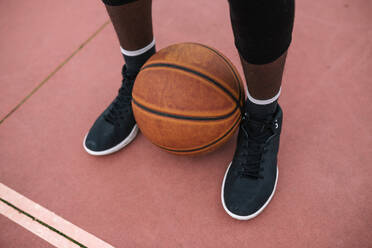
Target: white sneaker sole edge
x=239, y=217
x=116, y=148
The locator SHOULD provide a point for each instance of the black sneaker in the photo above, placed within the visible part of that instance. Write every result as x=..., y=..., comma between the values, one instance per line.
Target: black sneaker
x=251, y=178
x=115, y=127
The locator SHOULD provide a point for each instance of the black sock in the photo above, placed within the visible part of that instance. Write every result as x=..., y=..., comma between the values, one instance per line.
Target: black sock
x=135, y=62
x=261, y=112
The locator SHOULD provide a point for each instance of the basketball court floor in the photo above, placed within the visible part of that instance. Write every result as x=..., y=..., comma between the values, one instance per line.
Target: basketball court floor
x=60, y=67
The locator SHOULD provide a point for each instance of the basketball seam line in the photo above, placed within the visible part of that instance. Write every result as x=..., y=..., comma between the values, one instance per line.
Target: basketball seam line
x=237, y=102
x=208, y=145
x=229, y=65
x=184, y=117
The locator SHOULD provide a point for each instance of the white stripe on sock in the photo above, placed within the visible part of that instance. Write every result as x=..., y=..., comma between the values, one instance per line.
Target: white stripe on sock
x=264, y=102
x=139, y=51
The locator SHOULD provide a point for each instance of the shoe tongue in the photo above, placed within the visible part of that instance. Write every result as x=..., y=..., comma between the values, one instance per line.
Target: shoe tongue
x=255, y=127
x=129, y=74
x=127, y=84
x=258, y=130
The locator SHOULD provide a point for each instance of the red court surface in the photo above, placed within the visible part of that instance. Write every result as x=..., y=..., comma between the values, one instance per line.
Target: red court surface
x=144, y=197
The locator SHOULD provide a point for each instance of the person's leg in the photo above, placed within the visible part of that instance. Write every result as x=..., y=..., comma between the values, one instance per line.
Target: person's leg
x=264, y=81
x=132, y=23
x=262, y=31
x=116, y=127
x=133, y=26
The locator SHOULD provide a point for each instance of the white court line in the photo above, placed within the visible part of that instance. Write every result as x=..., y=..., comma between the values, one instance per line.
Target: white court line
x=49, y=218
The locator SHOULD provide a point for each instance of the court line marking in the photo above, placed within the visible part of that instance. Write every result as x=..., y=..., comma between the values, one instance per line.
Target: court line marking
x=44, y=223
x=35, y=227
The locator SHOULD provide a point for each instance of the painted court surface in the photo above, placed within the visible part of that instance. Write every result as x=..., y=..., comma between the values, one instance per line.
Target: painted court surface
x=60, y=67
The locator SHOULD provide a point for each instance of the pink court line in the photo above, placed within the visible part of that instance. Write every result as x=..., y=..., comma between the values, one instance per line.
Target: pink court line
x=57, y=231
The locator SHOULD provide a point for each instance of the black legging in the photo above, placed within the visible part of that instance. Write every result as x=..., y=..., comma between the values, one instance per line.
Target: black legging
x=262, y=28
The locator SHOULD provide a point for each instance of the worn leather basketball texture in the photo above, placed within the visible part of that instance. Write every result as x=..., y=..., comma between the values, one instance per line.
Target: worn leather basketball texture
x=187, y=99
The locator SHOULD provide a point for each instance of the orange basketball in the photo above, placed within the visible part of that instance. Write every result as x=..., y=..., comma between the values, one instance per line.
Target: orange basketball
x=187, y=99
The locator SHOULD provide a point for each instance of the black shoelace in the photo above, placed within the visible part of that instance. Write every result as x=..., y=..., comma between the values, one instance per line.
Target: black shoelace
x=252, y=144
x=122, y=103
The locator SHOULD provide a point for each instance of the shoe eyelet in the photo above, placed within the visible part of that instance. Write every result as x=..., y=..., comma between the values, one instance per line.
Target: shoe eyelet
x=276, y=125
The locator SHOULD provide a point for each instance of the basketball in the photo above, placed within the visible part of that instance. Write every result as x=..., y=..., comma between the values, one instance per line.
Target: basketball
x=187, y=99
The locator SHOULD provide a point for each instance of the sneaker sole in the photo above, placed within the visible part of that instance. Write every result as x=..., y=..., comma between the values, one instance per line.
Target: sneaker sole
x=251, y=216
x=116, y=148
